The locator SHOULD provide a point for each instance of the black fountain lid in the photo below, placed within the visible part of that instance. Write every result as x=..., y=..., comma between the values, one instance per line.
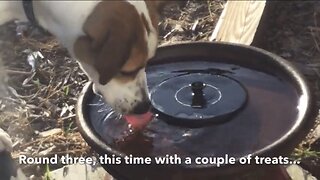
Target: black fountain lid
x=198, y=99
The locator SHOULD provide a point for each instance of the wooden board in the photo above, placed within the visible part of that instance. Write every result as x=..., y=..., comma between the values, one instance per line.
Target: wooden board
x=239, y=21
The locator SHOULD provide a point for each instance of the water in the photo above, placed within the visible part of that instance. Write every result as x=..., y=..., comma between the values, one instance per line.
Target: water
x=269, y=113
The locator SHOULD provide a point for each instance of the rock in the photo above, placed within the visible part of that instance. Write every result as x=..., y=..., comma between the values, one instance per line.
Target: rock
x=297, y=173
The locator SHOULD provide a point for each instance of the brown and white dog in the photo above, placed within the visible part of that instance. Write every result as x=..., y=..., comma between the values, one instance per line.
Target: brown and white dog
x=112, y=41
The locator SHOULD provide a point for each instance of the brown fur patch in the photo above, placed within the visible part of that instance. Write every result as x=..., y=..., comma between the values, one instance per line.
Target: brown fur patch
x=115, y=40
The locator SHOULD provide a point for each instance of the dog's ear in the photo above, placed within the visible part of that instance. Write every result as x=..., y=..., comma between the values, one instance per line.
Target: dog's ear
x=111, y=34
x=107, y=60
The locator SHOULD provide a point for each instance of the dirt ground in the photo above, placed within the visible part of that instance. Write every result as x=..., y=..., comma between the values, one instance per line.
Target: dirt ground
x=43, y=90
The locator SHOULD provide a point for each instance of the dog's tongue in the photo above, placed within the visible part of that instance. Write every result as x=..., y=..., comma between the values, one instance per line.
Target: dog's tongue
x=139, y=121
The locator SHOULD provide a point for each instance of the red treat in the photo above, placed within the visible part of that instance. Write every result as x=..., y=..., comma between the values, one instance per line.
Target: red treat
x=139, y=121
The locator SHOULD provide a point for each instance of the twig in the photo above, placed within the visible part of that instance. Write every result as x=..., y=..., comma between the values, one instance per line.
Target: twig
x=10, y=71
x=314, y=28
x=70, y=116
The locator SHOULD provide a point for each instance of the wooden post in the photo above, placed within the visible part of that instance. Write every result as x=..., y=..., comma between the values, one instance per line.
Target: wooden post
x=239, y=21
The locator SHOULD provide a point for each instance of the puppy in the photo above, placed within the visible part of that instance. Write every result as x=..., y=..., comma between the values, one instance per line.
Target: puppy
x=111, y=40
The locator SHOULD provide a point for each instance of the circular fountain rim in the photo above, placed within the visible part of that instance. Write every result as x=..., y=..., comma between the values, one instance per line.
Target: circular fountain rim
x=302, y=124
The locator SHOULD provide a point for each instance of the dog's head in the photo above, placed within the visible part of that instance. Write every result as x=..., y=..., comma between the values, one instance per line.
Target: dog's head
x=120, y=37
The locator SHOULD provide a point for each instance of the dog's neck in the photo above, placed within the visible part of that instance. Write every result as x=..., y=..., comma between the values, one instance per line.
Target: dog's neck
x=11, y=10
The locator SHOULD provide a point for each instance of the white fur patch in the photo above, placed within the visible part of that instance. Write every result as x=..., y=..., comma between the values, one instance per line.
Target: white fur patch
x=5, y=141
x=123, y=97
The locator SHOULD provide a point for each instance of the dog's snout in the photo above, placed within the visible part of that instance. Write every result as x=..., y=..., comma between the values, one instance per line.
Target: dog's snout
x=142, y=108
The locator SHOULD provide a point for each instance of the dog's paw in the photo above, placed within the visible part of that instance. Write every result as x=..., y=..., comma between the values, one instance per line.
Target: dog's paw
x=5, y=141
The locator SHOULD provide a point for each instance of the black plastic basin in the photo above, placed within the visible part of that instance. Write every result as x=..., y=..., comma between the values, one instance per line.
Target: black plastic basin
x=211, y=99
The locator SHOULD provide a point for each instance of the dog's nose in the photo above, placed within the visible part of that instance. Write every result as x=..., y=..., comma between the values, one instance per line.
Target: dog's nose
x=142, y=108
